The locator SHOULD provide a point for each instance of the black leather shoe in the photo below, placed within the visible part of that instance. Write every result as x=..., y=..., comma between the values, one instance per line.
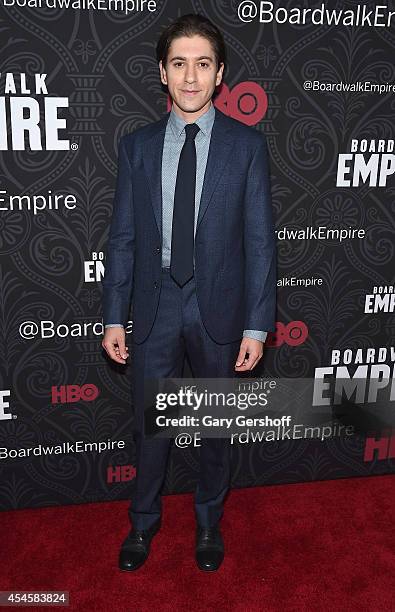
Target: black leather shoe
x=135, y=549
x=209, y=548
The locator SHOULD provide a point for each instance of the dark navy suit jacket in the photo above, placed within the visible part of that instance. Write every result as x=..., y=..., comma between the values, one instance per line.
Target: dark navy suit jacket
x=235, y=246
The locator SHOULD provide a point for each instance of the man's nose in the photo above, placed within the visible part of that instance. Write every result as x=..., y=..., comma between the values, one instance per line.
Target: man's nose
x=190, y=74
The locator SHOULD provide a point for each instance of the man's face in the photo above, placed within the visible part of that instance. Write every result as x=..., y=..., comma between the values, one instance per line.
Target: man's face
x=191, y=75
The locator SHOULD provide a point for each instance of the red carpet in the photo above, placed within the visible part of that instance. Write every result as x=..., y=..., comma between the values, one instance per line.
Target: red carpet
x=312, y=546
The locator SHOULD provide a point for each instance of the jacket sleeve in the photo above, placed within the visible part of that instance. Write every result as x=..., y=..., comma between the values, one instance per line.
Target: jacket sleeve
x=119, y=260
x=259, y=244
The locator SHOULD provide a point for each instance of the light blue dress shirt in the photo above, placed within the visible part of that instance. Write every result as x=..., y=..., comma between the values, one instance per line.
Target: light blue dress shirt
x=173, y=143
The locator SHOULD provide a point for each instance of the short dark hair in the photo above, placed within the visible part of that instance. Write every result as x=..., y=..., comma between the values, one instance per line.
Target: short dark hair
x=189, y=25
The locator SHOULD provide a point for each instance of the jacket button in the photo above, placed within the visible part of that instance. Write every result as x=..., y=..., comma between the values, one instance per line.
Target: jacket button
x=157, y=250
x=155, y=285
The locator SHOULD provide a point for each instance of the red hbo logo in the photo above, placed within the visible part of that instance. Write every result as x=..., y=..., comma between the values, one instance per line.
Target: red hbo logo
x=120, y=473
x=293, y=334
x=66, y=394
x=382, y=447
x=247, y=102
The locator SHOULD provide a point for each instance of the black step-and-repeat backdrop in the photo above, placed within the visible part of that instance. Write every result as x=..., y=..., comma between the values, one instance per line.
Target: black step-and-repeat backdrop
x=318, y=79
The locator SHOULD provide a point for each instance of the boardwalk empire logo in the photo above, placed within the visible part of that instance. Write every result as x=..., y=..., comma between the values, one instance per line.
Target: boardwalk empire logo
x=33, y=115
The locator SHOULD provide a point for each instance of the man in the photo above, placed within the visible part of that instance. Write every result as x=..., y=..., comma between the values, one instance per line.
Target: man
x=192, y=247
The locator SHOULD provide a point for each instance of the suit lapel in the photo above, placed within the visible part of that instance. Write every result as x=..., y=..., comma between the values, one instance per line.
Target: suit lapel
x=218, y=154
x=219, y=151
x=152, y=159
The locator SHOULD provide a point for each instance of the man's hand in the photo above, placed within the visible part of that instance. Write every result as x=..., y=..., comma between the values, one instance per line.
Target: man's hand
x=114, y=344
x=254, y=348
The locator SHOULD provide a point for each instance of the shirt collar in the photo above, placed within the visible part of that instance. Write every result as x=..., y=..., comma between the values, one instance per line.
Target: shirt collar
x=205, y=121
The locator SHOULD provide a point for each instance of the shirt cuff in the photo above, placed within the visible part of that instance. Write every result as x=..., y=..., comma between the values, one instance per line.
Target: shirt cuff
x=114, y=325
x=255, y=334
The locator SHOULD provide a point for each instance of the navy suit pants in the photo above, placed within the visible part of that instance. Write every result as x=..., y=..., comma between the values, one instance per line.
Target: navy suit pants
x=178, y=330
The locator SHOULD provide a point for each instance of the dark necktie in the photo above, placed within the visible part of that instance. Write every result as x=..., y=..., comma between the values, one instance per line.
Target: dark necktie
x=182, y=235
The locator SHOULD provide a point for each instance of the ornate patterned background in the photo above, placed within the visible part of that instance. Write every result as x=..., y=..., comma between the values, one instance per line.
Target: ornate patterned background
x=104, y=63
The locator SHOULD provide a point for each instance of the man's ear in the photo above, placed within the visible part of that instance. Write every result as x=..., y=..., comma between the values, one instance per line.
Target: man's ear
x=162, y=71
x=220, y=72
